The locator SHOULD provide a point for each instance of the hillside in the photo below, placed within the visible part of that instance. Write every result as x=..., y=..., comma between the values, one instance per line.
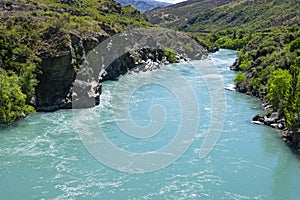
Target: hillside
x=213, y=15
x=246, y=14
x=44, y=42
x=143, y=5
x=179, y=14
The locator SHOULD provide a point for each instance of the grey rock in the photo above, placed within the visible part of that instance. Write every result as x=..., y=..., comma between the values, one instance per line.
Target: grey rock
x=242, y=88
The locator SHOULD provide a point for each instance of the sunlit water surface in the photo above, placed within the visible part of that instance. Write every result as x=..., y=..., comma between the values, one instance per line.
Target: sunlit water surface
x=42, y=157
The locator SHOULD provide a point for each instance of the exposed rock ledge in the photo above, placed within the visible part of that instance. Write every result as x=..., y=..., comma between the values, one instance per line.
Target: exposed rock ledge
x=141, y=60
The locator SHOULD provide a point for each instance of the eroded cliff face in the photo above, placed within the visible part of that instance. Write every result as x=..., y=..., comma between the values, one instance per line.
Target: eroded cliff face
x=59, y=69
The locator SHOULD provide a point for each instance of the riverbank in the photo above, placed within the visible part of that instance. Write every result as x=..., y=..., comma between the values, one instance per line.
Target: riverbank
x=268, y=68
x=44, y=157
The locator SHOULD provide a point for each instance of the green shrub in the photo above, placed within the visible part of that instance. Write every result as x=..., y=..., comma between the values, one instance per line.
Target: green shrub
x=171, y=55
x=295, y=45
x=12, y=100
x=48, y=13
x=278, y=87
x=245, y=65
x=240, y=78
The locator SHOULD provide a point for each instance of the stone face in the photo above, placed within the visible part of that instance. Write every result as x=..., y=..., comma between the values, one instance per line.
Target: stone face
x=85, y=94
x=54, y=83
x=136, y=61
x=58, y=73
x=259, y=118
x=242, y=88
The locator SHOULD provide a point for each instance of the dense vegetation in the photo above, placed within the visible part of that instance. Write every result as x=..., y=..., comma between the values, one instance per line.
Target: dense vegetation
x=246, y=14
x=25, y=39
x=270, y=64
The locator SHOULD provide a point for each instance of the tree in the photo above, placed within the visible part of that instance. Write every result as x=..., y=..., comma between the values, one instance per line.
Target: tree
x=240, y=77
x=12, y=100
x=278, y=88
x=292, y=106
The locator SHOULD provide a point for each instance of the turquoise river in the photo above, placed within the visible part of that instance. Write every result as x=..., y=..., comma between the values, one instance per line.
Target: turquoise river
x=43, y=156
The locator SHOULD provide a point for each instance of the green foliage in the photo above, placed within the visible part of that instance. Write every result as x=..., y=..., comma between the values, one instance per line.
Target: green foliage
x=278, y=88
x=244, y=14
x=229, y=38
x=295, y=45
x=240, y=78
x=292, y=106
x=12, y=100
x=245, y=65
x=171, y=55
x=256, y=86
x=270, y=60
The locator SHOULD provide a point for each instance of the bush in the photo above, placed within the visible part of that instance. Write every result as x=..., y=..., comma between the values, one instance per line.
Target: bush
x=170, y=54
x=240, y=77
x=278, y=87
x=12, y=100
x=295, y=45
x=245, y=65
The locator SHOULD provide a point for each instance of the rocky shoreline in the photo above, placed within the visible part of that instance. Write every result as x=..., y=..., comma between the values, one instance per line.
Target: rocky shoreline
x=272, y=119
x=76, y=73
x=277, y=121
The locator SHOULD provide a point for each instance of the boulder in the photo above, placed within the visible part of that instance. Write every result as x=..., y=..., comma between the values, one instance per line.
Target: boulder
x=268, y=121
x=85, y=94
x=258, y=118
x=242, y=88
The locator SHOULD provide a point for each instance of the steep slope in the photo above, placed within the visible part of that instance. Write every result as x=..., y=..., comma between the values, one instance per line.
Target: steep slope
x=143, y=5
x=250, y=14
x=178, y=14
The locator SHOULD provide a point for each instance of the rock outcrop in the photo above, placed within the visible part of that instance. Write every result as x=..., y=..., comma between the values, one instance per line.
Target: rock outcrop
x=59, y=69
x=137, y=61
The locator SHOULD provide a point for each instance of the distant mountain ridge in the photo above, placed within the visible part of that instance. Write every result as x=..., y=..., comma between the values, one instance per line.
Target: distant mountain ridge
x=143, y=5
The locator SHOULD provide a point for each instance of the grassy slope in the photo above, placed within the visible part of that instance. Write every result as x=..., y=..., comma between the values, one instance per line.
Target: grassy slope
x=178, y=14
x=247, y=14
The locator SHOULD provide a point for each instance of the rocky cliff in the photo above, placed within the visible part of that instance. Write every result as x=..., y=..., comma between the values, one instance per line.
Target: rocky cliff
x=43, y=43
x=58, y=71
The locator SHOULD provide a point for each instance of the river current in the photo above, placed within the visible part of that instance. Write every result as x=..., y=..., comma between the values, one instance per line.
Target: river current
x=43, y=156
